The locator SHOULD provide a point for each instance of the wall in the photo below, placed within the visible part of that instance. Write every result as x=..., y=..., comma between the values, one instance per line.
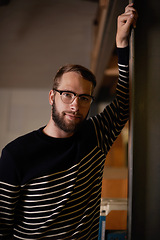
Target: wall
x=21, y=111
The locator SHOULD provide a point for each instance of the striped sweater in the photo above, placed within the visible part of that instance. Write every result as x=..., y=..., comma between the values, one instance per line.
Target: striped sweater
x=50, y=188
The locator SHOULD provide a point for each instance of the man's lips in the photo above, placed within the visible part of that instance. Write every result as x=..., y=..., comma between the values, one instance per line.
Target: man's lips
x=73, y=115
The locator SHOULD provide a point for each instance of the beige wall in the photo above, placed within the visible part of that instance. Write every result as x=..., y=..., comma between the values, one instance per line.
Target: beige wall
x=21, y=111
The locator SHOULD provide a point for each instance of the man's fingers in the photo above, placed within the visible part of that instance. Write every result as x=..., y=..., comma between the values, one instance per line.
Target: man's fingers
x=130, y=9
x=132, y=18
x=129, y=17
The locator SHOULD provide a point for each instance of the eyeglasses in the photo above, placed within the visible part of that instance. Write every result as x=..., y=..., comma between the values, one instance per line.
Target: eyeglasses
x=68, y=97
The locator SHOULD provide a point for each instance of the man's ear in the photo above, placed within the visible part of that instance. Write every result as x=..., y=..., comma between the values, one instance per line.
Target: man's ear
x=51, y=96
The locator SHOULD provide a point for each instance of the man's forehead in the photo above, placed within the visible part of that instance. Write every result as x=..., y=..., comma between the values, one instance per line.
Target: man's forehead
x=73, y=81
x=72, y=75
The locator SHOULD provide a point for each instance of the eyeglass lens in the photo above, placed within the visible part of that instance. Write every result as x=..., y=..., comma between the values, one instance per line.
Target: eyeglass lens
x=68, y=97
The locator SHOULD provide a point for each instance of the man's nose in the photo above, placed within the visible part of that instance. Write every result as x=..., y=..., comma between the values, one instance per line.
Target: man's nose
x=75, y=104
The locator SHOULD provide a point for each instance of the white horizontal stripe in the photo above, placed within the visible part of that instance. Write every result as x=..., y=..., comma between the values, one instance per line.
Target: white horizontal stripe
x=53, y=180
x=122, y=65
x=7, y=184
x=9, y=203
x=45, y=194
x=42, y=217
x=10, y=209
x=120, y=75
x=45, y=188
x=9, y=191
x=44, y=205
x=122, y=70
x=122, y=83
x=8, y=219
x=46, y=199
x=54, y=174
x=13, y=197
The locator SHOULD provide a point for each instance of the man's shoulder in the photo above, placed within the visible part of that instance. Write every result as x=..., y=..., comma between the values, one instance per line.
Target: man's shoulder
x=22, y=142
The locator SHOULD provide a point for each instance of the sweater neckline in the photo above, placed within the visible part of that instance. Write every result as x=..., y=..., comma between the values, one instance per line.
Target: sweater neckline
x=53, y=139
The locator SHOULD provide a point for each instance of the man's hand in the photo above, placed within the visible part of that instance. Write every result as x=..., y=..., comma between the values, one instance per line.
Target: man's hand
x=124, y=23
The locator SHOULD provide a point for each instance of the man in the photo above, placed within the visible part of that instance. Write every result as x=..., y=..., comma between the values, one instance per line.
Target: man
x=50, y=179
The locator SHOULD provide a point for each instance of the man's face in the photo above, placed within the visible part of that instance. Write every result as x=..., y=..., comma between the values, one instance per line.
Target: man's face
x=68, y=117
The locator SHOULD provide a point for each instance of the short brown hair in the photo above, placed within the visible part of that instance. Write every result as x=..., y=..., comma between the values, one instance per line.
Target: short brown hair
x=84, y=72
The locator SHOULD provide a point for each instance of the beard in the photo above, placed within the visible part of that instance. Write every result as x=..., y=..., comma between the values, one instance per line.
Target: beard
x=59, y=119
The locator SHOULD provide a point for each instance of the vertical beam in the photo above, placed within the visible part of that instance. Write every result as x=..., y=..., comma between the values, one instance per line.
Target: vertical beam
x=107, y=44
x=144, y=139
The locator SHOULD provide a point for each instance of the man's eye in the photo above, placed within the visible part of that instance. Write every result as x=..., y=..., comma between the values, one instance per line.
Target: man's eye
x=84, y=98
x=67, y=95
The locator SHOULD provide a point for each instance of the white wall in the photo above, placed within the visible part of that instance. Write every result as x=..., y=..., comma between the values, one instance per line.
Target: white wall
x=21, y=111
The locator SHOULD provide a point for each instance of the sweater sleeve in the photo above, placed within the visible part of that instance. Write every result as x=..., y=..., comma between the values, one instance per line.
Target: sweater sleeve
x=9, y=195
x=109, y=123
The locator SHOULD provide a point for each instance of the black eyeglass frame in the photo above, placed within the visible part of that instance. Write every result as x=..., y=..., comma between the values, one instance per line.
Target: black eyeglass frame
x=75, y=94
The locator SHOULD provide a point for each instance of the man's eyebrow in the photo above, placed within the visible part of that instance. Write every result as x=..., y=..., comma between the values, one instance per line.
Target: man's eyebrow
x=82, y=94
